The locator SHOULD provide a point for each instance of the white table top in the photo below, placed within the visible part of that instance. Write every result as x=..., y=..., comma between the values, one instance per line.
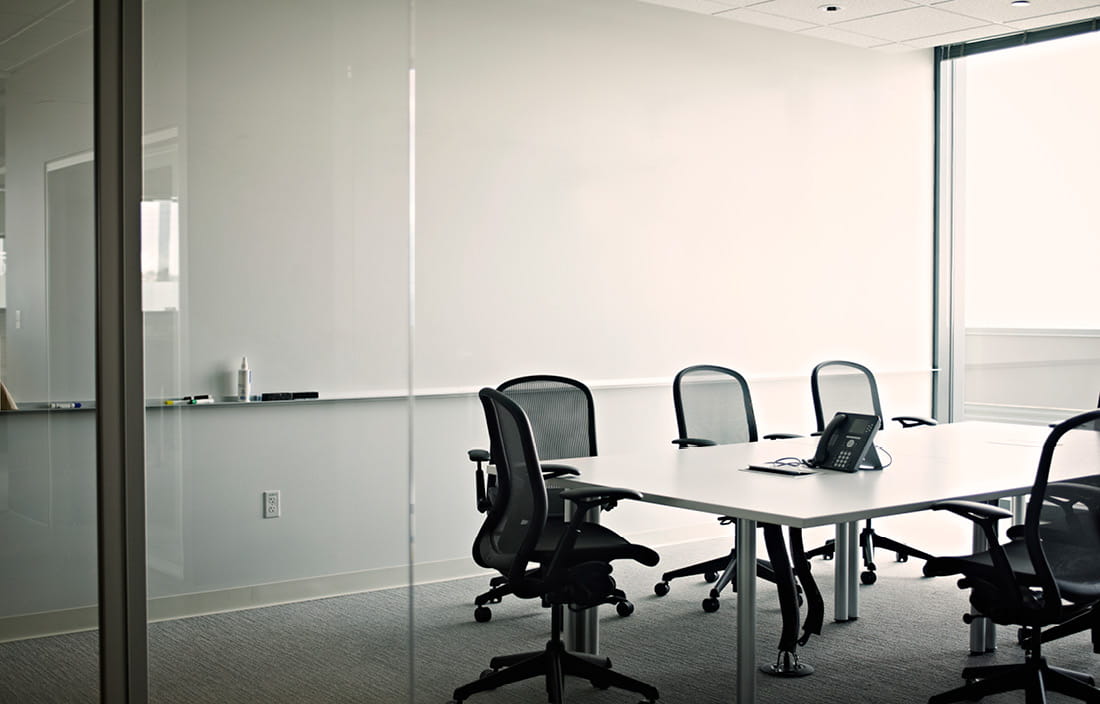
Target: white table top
x=970, y=460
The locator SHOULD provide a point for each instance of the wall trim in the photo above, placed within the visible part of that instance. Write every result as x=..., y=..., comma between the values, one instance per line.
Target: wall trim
x=1033, y=332
x=85, y=618
x=1003, y=413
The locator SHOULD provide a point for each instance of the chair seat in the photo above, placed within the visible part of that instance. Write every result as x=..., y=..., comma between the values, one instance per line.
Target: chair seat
x=1075, y=564
x=595, y=543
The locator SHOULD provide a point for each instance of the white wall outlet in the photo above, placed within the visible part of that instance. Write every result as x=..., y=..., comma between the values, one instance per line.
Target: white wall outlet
x=272, y=504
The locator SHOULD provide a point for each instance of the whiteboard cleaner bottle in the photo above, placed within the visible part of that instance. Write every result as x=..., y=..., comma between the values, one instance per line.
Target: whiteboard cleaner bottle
x=244, y=381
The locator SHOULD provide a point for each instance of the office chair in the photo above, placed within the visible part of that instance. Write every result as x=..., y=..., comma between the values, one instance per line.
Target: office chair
x=840, y=386
x=714, y=407
x=1033, y=582
x=563, y=420
x=558, y=566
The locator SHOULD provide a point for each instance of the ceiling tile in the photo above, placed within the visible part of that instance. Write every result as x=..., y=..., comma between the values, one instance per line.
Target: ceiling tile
x=31, y=8
x=1003, y=11
x=895, y=48
x=11, y=23
x=37, y=38
x=913, y=23
x=706, y=7
x=1087, y=13
x=765, y=20
x=986, y=31
x=839, y=35
x=810, y=10
x=77, y=11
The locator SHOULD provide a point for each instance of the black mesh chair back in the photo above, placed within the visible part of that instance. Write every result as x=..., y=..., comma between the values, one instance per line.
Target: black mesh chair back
x=518, y=514
x=1049, y=579
x=1071, y=559
x=561, y=414
x=839, y=387
x=713, y=403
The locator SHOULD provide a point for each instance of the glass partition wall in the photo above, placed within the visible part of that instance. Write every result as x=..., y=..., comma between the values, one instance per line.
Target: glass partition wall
x=1019, y=220
x=48, y=565
x=275, y=266
x=274, y=227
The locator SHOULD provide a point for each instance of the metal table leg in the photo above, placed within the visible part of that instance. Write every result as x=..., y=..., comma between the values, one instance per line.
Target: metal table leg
x=746, y=612
x=853, y=570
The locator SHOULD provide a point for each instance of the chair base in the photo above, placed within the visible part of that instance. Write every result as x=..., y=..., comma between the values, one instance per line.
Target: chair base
x=554, y=663
x=869, y=541
x=499, y=588
x=722, y=571
x=1034, y=676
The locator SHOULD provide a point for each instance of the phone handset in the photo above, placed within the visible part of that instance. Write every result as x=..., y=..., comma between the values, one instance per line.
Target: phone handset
x=828, y=436
x=847, y=443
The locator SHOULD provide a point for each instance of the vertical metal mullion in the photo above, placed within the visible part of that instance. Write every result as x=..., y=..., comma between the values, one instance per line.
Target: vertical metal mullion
x=947, y=334
x=120, y=399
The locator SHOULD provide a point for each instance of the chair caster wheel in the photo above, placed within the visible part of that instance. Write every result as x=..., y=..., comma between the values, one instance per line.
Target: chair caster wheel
x=902, y=557
x=801, y=601
x=710, y=605
x=486, y=673
x=710, y=577
x=661, y=588
x=827, y=556
x=600, y=684
x=482, y=614
x=624, y=608
x=868, y=577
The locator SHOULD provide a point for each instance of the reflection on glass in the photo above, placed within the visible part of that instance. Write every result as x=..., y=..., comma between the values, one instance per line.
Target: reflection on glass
x=48, y=562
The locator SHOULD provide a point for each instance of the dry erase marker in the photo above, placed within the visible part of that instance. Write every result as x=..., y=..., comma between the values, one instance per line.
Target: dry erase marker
x=72, y=404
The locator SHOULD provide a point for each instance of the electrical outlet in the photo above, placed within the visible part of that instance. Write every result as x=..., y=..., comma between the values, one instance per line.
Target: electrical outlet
x=272, y=504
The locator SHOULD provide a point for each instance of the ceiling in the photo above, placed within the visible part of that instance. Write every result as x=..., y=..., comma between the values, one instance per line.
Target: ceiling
x=894, y=25
x=29, y=28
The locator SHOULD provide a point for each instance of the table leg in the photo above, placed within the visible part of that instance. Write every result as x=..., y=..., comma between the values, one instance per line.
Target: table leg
x=582, y=628
x=846, y=572
x=746, y=611
x=983, y=632
x=840, y=573
x=853, y=570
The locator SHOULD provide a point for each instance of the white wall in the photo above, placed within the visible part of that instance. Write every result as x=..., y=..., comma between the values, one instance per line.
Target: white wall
x=605, y=190
x=615, y=190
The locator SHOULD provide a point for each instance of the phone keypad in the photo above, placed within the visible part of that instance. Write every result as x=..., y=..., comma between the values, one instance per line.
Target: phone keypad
x=844, y=458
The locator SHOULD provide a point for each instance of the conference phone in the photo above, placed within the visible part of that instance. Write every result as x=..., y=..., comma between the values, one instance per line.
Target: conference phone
x=847, y=443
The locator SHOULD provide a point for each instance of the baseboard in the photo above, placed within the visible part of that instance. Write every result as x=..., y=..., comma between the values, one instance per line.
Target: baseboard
x=165, y=608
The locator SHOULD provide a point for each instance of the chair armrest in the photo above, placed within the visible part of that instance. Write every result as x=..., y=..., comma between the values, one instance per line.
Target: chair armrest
x=599, y=494
x=693, y=442
x=480, y=491
x=549, y=471
x=781, y=436
x=1073, y=492
x=913, y=421
x=984, y=515
x=585, y=498
x=974, y=510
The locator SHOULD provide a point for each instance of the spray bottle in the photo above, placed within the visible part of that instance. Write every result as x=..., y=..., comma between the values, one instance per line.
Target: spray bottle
x=244, y=381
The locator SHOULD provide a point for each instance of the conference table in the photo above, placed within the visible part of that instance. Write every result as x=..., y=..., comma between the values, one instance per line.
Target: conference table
x=979, y=461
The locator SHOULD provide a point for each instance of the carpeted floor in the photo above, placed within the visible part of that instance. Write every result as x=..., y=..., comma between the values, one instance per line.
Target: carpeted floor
x=910, y=643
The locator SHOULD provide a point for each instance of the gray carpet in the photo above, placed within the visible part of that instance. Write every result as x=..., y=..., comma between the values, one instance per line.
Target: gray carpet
x=910, y=643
